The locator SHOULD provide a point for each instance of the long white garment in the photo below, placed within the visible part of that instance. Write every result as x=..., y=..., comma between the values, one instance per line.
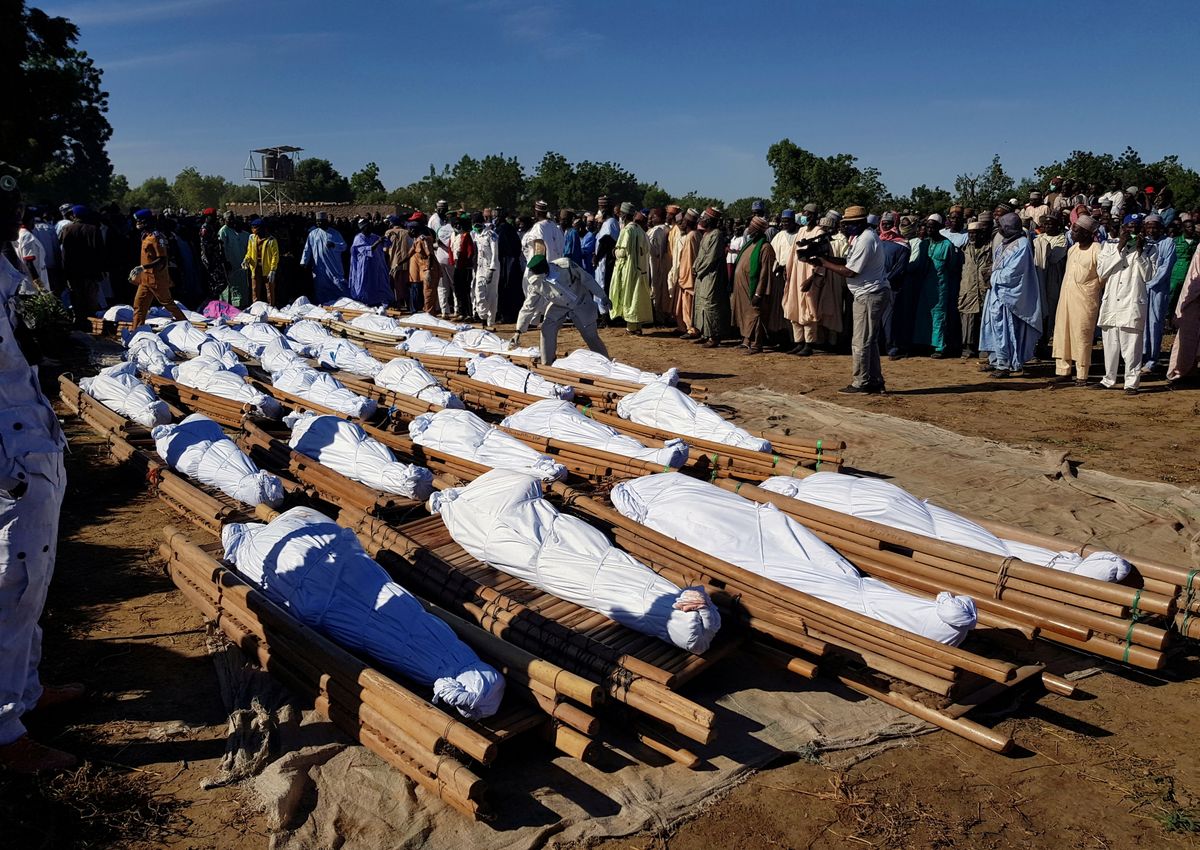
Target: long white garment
x=323, y=389
x=485, y=288
x=198, y=448
x=150, y=354
x=883, y=502
x=588, y=362
x=210, y=375
x=1125, y=274
x=347, y=303
x=119, y=389
x=478, y=339
x=345, y=356
x=183, y=336
x=1122, y=344
x=502, y=519
x=262, y=333
x=432, y=321
x=305, y=562
x=563, y=421
x=380, y=324
x=424, y=342
x=346, y=448
x=464, y=435
x=661, y=406
x=408, y=377
x=767, y=542
x=501, y=372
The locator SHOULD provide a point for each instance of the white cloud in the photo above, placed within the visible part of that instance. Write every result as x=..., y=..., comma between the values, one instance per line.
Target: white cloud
x=102, y=12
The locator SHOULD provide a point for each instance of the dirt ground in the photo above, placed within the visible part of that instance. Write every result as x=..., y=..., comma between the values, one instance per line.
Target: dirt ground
x=1117, y=767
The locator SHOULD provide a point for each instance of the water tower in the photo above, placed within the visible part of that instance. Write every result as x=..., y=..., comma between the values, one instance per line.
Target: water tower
x=272, y=169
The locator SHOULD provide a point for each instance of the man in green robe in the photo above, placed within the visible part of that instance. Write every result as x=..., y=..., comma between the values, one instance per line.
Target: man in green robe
x=629, y=288
x=234, y=243
x=710, y=314
x=934, y=274
x=1185, y=245
x=752, y=281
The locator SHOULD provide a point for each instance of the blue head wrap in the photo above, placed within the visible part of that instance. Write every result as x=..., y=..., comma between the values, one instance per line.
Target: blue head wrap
x=78, y=210
x=1132, y=218
x=143, y=215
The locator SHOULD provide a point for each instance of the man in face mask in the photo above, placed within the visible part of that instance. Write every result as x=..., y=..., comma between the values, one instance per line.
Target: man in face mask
x=1125, y=266
x=1012, y=310
x=797, y=306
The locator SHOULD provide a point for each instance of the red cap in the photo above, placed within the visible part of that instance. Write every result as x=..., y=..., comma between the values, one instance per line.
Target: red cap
x=209, y=211
x=1149, y=190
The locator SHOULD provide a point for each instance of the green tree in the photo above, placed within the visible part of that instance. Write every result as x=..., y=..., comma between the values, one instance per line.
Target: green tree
x=835, y=182
x=926, y=201
x=58, y=133
x=366, y=185
x=552, y=181
x=194, y=191
x=318, y=180
x=740, y=208
x=593, y=179
x=693, y=200
x=654, y=195
x=118, y=188
x=985, y=189
x=154, y=193
x=495, y=180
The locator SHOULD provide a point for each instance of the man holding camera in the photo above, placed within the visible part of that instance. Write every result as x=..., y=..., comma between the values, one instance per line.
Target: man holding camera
x=866, y=278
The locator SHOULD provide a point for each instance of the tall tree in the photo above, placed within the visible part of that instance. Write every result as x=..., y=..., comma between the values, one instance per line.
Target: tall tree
x=366, y=185
x=318, y=180
x=58, y=131
x=194, y=191
x=983, y=190
x=835, y=181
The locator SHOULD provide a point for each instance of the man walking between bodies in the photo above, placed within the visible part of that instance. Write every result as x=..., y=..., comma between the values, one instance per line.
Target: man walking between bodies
x=561, y=290
x=1012, y=310
x=323, y=249
x=262, y=261
x=710, y=312
x=866, y=277
x=629, y=291
x=152, y=277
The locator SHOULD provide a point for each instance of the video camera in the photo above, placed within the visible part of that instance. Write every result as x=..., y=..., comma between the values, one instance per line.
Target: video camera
x=814, y=247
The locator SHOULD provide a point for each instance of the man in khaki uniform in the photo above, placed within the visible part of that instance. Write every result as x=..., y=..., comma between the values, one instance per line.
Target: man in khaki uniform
x=152, y=277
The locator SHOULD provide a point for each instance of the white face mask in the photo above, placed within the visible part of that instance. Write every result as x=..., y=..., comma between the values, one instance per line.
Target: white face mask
x=804, y=220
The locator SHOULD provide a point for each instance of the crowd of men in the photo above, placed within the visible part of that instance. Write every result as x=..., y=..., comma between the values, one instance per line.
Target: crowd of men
x=1041, y=279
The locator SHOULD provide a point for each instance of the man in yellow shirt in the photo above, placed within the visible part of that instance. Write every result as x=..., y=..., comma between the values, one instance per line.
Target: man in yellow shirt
x=262, y=262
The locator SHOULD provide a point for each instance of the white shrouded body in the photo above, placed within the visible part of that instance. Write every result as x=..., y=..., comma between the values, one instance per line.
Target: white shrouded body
x=464, y=435
x=346, y=448
x=661, y=406
x=323, y=389
x=764, y=540
x=501, y=372
x=502, y=519
x=199, y=449
x=408, y=377
x=588, y=362
x=562, y=420
x=119, y=389
x=211, y=376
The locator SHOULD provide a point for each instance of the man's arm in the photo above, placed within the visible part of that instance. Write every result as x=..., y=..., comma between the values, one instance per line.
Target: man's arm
x=535, y=300
x=836, y=265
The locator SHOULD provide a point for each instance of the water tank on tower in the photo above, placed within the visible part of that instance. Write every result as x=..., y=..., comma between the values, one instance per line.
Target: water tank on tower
x=269, y=162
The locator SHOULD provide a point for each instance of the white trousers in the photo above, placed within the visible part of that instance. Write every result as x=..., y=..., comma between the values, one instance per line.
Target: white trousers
x=486, y=295
x=446, y=291
x=1123, y=344
x=31, y=493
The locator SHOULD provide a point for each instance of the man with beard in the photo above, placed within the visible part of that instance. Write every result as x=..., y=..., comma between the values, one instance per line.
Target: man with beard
x=1012, y=310
x=212, y=256
x=711, y=281
x=1078, y=304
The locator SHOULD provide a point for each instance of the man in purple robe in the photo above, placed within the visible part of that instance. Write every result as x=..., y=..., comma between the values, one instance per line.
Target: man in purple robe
x=369, y=281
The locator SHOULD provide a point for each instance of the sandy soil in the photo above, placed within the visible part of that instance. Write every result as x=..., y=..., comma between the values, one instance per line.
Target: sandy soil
x=1116, y=768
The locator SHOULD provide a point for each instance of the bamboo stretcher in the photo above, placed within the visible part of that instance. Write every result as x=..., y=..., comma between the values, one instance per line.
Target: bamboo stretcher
x=226, y=411
x=602, y=393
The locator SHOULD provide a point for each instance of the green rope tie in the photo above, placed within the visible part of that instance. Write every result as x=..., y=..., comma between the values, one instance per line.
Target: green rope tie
x=1187, y=602
x=587, y=407
x=738, y=488
x=1134, y=618
x=713, y=477
x=774, y=461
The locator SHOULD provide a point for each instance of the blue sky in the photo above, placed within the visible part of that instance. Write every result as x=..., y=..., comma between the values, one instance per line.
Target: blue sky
x=690, y=95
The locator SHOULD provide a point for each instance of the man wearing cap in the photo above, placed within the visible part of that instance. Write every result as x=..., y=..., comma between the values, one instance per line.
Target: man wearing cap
x=234, y=241
x=369, y=281
x=753, y=274
x=1012, y=309
x=606, y=242
x=863, y=269
x=711, y=281
x=955, y=229
x=65, y=218
x=212, y=257
x=83, y=262
x=1078, y=304
x=658, y=239
x=810, y=299
x=683, y=275
x=152, y=277
x=32, y=484
x=561, y=290
x=778, y=325
x=1158, y=290
x=398, y=243
x=1125, y=266
x=629, y=290
x=323, y=249
x=485, y=290
x=1034, y=210
x=543, y=237
x=262, y=261
x=1050, y=260
x=933, y=282
x=976, y=280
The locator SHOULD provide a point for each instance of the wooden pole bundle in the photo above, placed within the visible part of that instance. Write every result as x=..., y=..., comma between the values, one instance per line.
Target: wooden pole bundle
x=498, y=400
x=586, y=461
x=1067, y=608
x=226, y=411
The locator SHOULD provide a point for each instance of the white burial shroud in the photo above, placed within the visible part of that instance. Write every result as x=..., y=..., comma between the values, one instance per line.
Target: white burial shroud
x=323, y=389
x=479, y=339
x=502, y=519
x=432, y=321
x=588, y=362
x=346, y=448
x=278, y=355
x=307, y=332
x=211, y=376
x=199, y=449
x=150, y=354
x=463, y=434
x=501, y=372
x=764, y=540
x=235, y=339
x=262, y=333
x=379, y=324
x=346, y=303
x=119, y=389
x=408, y=377
x=661, y=406
x=561, y=420
x=423, y=342
x=183, y=336
x=346, y=356
x=304, y=561
x=882, y=502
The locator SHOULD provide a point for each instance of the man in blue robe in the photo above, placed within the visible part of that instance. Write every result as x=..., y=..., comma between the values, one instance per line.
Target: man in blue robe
x=1012, y=310
x=323, y=254
x=369, y=281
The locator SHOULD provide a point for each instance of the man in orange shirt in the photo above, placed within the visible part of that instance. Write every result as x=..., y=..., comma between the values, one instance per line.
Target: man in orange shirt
x=152, y=277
